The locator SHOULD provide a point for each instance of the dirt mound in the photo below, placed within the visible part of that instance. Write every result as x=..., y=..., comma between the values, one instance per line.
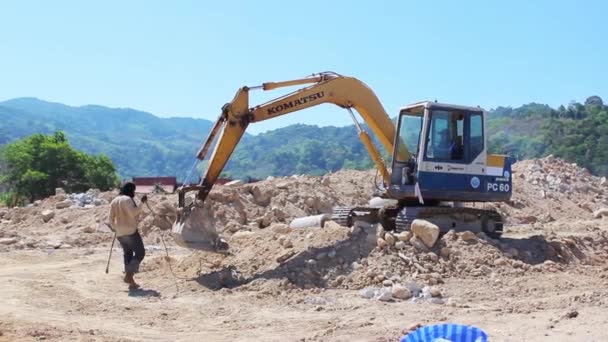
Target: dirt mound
x=253, y=217
x=549, y=189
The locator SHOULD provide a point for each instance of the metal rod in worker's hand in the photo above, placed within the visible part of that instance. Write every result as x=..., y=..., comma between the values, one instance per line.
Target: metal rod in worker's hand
x=110, y=256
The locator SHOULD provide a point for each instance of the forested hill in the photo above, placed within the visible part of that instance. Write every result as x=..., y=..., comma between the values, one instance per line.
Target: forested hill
x=140, y=143
x=577, y=132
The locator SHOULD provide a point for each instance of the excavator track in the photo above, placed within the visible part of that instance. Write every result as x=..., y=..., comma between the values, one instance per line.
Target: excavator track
x=448, y=218
x=342, y=216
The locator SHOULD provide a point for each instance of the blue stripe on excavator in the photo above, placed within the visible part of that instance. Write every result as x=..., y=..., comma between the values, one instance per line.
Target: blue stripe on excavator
x=461, y=187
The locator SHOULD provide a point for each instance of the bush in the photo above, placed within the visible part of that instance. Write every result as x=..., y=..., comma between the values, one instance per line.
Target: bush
x=34, y=166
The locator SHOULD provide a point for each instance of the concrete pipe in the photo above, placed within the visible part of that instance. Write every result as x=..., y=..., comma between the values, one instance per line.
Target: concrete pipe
x=378, y=202
x=316, y=221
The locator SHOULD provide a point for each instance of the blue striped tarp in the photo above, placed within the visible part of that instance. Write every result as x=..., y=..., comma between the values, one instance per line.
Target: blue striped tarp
x=446, y=332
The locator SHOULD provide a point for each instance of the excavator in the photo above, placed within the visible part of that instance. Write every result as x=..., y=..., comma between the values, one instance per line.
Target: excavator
x=439, y=153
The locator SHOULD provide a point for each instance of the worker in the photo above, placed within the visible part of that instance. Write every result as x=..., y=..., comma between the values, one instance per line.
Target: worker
x=442, y=146
x=124, y=214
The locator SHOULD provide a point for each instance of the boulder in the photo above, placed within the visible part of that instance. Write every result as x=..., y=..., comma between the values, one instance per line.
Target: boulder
x=468, y=236
x=401, y=292
x=389, y=238
x=63, y=204
x=261, y=196
x=88, y=230
x=405, y=236
x=47, y=215
x=400, y=245
x=418, y=244
x=425, y=231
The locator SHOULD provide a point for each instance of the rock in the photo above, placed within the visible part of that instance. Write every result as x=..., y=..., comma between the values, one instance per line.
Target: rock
x=235, y=182
x=414, y=288
x=54, y=243
x=418, y=244
x=243, y=234
x=600, y=213
x=434, y=257
x=285, y=242
x=426, y=231
x=88, y=230
x=3, y=213
x=603, y=182
x=368, y=292
x=485, y=269
x=500, y=262
x=325, y=181
x=389, y=238
x=381, y=243
x=387, y=283
x=260, y=196
x=468, y=236
x=401, y=292
x=8, y=241
x=384, y=295
x=281, y=228
x=64, y=220
x=571, y=314
x=285, y=256
x=400, y=245
x=435, y=291
x=405, y=236
x=47, y=215
x=438, y=301
x=59, y=191
x=445, y=252
x=283, y=185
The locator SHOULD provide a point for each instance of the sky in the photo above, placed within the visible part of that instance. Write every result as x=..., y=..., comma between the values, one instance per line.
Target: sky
x=188, y=58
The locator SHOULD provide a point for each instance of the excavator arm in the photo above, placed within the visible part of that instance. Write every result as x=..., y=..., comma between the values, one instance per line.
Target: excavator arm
x=345, y=92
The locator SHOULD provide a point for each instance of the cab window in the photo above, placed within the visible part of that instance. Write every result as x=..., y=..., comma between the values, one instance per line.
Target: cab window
x=446, y=133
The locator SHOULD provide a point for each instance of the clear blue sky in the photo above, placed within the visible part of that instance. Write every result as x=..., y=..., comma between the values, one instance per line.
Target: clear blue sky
x=187, y=58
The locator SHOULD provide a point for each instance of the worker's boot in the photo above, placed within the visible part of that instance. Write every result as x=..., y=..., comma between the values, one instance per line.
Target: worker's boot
x=129, y=280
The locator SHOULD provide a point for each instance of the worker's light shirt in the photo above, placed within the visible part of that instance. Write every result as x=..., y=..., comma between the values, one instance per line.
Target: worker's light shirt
x=123, y=215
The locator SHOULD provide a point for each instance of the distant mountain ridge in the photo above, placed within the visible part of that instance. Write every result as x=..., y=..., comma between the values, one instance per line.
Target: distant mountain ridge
x=138, y=142
x=141, y=144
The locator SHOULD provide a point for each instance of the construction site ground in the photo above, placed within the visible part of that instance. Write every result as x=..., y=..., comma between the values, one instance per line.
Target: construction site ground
x=546, y=279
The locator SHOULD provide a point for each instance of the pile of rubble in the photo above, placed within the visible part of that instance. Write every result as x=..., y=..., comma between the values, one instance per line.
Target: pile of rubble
x=549, y=189
x=254, y=218
x=87, y=200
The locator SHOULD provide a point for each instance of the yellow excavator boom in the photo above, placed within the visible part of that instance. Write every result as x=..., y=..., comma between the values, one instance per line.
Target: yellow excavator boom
x=345, y=92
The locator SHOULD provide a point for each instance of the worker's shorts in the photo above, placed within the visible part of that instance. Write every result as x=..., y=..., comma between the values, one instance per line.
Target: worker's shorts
x=134, y=251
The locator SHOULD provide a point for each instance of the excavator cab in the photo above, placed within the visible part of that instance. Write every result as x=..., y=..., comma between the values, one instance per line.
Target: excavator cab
x=449, y=159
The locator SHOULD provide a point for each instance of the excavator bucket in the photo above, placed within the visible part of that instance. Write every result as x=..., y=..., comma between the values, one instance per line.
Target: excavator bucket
x=195, y=229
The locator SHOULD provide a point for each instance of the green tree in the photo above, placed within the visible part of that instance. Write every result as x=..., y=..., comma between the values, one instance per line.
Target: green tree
x=38, y=164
